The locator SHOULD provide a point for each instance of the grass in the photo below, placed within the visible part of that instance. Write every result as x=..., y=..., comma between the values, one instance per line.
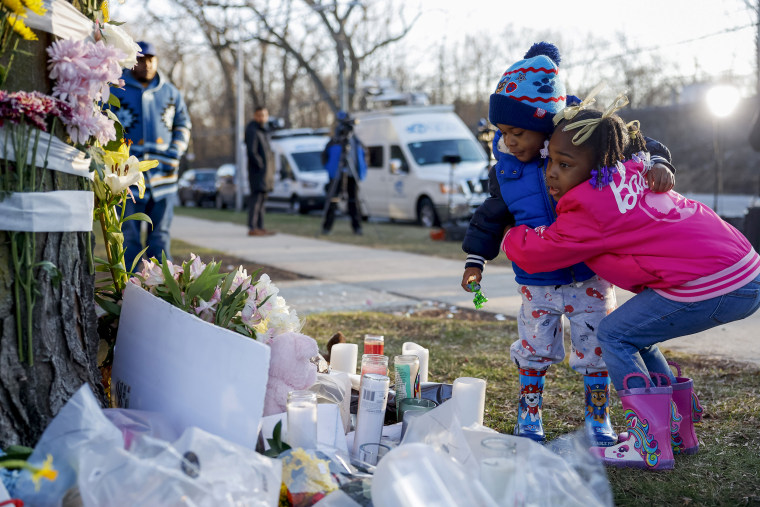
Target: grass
x=725, y=472
x=405, y=237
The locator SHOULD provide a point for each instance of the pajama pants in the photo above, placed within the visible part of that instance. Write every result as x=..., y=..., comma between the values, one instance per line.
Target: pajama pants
x=540, y=333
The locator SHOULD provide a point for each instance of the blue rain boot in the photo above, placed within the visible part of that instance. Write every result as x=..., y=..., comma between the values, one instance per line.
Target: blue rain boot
x=529, y=410
x=598, y=428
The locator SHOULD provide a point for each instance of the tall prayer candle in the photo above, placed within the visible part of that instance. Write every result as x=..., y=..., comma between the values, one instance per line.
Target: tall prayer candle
x=343, y=357
x=469, y=397
x=422, y=353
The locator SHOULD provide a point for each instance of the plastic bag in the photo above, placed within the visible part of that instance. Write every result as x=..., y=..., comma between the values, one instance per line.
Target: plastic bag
x=335, y=388
x=136, y=423
x=198, y=469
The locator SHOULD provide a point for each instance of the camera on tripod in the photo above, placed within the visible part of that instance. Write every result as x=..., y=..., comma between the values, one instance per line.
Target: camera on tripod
x=345, y=125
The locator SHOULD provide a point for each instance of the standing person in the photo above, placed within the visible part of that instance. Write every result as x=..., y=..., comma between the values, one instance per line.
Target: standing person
x=156, y=121
x=260, y=170
x=690, y=270
x=343, y=158
x=526, y=98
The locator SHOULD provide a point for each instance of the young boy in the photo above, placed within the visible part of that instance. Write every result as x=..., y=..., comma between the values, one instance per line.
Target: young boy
x=526, y=99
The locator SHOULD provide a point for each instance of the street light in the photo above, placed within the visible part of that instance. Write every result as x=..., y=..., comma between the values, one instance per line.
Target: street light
x=721, y=101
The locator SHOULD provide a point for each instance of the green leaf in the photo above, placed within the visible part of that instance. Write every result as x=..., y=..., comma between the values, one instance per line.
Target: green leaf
x=114, y=101
x=171, y=283
x=116, y=143
x=136, y=260
x=108, y=306
x=139, y=216
x=52, y=270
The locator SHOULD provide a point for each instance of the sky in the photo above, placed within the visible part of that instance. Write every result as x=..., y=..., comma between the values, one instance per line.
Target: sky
x=683, y=30
x=715, y=35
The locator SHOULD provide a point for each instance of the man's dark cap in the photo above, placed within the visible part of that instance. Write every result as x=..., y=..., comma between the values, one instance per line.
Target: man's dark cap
x=147, y=48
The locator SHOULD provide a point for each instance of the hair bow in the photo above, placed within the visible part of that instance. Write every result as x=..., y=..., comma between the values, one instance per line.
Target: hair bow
x=569, y=112
x=588, y=126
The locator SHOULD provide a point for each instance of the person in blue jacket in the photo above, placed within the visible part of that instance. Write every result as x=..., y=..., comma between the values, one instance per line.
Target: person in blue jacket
x=526, y=99
x=156, y=121
x=344, y=160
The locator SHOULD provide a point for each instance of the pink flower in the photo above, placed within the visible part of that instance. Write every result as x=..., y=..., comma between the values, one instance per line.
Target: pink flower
x=196, y=266
x=151, y=274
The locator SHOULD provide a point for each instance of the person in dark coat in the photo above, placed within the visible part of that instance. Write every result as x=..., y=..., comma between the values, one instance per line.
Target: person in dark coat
x=260, y=170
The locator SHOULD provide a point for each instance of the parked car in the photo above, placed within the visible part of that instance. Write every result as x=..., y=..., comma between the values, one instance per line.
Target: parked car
x=299, y=180
x=196, y=187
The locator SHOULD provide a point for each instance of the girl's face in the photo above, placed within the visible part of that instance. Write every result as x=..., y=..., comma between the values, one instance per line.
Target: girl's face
x=569, y=165
x=525, y=145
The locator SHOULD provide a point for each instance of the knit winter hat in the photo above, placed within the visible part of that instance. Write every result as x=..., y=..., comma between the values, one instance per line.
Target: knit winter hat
x=530, y=92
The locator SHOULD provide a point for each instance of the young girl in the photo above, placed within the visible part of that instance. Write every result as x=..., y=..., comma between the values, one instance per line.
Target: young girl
x=690, y=270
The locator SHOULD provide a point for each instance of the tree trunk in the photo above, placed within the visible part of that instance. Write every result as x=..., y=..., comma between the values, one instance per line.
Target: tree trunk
x=65, y=338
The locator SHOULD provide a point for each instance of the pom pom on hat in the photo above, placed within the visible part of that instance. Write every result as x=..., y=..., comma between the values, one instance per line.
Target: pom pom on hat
x=530, y=92
x=546, y=49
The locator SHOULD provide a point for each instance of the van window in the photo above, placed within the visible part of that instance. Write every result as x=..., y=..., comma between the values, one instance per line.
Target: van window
x=308, y=161
x=432, y=152
x=398, y=154
x=375, y=157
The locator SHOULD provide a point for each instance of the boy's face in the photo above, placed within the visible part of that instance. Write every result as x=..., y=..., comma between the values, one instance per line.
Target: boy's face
x=523, y=144
x=569, y=165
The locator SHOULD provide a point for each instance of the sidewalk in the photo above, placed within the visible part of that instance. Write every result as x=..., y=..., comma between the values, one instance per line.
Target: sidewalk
x=349, y=277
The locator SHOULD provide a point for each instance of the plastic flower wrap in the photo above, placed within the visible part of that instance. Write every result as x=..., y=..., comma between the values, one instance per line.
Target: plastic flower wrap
x=233, y=300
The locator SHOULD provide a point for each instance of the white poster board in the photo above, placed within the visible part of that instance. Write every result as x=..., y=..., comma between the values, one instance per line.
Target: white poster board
x=196, y=373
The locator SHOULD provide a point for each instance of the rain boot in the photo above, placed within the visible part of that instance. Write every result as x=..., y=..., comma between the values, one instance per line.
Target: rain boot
x=648, y=414
x=598, y=427
x=529, y=409
x=688, y=406
x=676, y=442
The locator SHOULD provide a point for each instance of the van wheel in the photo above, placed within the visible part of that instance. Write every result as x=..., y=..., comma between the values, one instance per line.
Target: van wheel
x=219, y=202
x=426, y=215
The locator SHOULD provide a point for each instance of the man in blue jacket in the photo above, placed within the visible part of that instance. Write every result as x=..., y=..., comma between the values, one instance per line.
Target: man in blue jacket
x=157, y=122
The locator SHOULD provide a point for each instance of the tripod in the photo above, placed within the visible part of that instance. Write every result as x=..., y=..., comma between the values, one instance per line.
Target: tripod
x=346, y=180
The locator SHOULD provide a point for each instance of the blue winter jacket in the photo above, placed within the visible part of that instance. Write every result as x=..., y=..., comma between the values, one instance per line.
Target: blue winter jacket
x=333, y=153
x=518, y=196
x=156, y=120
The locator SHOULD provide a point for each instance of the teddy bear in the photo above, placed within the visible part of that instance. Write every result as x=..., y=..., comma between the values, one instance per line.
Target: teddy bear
x=291, y=368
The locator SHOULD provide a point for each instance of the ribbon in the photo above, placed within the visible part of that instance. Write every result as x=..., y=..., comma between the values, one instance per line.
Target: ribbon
x=588, y=126
x=569, y=112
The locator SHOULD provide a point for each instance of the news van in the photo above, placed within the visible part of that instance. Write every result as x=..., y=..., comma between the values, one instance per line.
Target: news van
x=410, y=174
x=300, y=178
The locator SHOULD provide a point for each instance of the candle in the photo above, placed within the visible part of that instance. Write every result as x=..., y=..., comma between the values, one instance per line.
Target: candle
x=302, y=419
x=495, y=474
x=422, y=353
x=375, y=363
x=469, y=397
x=373, y=398
x=374, y=344
x=343, y=357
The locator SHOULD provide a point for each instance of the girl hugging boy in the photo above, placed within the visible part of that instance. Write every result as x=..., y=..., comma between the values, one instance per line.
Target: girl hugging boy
x=690, y=270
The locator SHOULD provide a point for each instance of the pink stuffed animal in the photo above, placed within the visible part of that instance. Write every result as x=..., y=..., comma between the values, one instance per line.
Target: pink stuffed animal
x=290, y=369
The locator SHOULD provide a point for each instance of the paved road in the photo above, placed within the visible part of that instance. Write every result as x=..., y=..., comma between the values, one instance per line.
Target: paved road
x=348, y=277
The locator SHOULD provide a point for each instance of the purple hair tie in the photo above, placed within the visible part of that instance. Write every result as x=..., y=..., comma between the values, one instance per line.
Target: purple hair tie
x=602, y=177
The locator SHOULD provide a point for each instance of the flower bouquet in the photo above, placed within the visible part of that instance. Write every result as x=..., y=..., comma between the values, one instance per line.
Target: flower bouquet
x=191, y=344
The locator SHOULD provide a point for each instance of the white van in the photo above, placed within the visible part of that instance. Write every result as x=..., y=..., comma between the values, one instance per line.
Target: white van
x=407, y=178
x=300, y=178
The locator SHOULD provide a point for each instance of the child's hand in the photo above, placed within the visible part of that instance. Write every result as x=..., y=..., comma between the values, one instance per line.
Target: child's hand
x=660, y=178
x=471, y=274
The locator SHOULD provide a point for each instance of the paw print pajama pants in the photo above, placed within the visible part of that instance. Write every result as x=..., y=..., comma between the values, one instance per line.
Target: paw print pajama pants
x=540, y=343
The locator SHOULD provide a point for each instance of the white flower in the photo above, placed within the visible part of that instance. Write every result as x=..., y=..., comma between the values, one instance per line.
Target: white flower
x=118, y=38
x=151, y=274
x=196, y=266
x=241, y=280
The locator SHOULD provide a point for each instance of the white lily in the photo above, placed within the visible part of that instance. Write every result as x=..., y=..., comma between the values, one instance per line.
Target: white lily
x=123, y=170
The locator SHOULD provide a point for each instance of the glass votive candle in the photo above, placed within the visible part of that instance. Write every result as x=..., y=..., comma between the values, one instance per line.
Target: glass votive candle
x=414, y=404
x=302, y=419
x=372, y=453
x=374, y=344
x=375, y=363
x=498, y=465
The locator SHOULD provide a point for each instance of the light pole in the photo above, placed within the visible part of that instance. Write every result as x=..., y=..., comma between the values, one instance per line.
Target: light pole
x=721, y=101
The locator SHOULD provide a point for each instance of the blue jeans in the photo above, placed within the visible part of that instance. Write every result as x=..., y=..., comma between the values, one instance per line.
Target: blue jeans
x=629, y=334
x=161, y=212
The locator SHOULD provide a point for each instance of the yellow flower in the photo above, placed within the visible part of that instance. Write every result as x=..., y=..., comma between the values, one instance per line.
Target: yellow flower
x=46, y=472
x=122, y=170
x=104, y=10
x=20, y=28
x=35, y=6
x=16, y=6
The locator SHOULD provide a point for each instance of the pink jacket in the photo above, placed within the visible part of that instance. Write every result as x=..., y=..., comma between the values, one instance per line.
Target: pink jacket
x=635, y=238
